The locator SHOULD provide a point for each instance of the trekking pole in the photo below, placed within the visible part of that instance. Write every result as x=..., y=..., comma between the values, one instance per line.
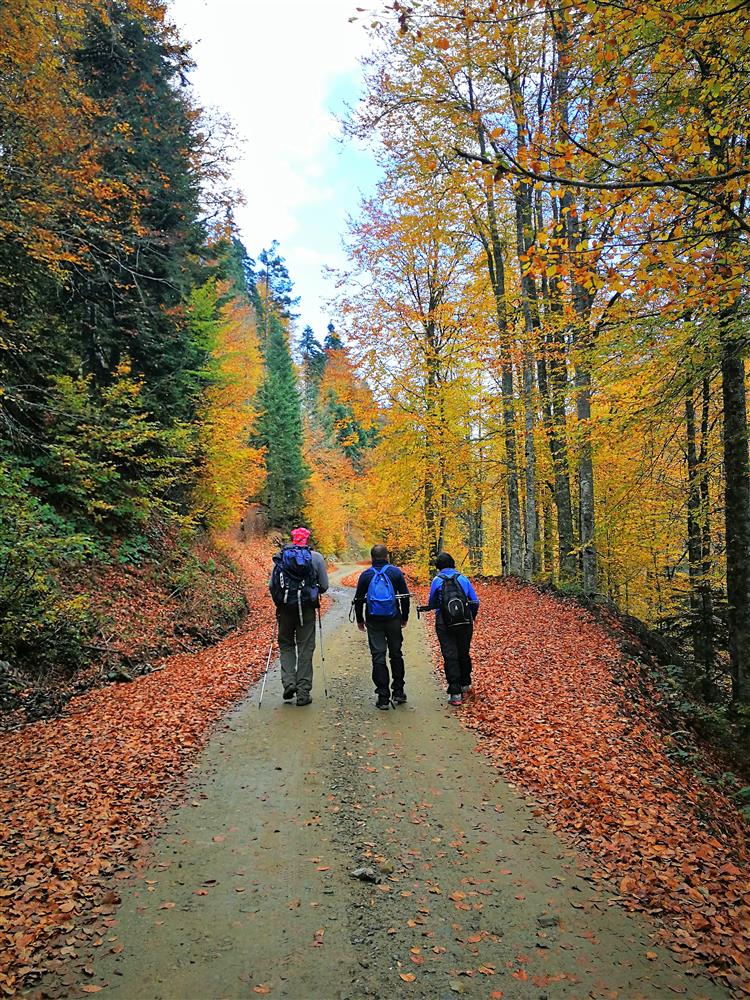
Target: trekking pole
x=322, y=654
x=268, y=663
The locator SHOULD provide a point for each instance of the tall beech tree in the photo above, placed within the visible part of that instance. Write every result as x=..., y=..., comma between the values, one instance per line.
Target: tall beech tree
x=598, y=158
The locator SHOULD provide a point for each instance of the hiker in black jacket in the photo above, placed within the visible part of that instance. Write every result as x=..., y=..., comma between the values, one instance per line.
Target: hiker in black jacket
x=381, y=605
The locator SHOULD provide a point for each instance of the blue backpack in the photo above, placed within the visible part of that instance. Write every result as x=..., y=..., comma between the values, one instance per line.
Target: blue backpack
x=381, y=596
x=294, y=580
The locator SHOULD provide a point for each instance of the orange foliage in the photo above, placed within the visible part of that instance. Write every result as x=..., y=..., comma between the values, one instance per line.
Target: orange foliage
x=335, y=443
x=328, y=500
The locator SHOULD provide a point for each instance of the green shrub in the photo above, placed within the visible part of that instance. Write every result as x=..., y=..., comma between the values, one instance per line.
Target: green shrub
x=37, y=620
x=106, y=463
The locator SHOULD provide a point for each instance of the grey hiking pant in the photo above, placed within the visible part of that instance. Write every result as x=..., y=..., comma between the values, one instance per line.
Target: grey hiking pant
x=296, y=647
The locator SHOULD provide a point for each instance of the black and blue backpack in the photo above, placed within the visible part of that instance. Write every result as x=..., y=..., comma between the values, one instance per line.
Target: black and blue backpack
x=294, y=581
x=381, y=595
x=454, y=602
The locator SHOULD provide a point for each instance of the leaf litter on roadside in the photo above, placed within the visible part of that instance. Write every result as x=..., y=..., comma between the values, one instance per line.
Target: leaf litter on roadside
x=563, y=713
x=78, y=793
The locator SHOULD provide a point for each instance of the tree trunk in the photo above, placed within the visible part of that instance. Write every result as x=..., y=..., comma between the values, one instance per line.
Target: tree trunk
x=582, y=336
x=707, y=603
x=695, y=560
x=496, y=269
x=515, y=533
x=548, y=558
x=737, y=505
x=432, y=488
x=552, y=376
x=530, y=307
x=530, y=517
x=555, y=423
x=586, y=480
x=474, y=520
x=504, y=537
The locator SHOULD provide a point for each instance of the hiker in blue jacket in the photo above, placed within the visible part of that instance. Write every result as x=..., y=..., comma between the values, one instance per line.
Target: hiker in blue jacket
x=381, y=604
x=456, y=605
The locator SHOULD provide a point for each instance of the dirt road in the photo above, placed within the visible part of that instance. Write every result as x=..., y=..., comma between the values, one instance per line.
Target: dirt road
x=249, y=888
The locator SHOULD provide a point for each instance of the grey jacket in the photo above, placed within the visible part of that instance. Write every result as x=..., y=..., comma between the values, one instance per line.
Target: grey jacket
x=321, y=569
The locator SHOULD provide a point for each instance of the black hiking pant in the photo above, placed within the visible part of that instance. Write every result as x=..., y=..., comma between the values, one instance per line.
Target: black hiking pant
x=385, y=635
x=455, y=645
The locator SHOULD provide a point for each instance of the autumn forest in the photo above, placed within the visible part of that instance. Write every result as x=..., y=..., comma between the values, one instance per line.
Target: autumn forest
x=535, y=360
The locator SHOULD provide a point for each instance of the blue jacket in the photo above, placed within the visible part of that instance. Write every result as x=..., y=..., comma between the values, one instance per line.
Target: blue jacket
x=399, y=585
x=465, y=584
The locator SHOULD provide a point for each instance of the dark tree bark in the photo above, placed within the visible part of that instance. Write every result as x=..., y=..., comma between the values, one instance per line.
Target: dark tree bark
x=582, y=334
x=699, y=541
x=496, y=268
x=737, y=505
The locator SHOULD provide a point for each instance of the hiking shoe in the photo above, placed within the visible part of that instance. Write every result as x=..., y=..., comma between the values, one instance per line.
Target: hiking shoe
x=456, y=699
x=383, y=704
x=303, y=699
x=466, y=689
x=289, y=693
x=399, y=698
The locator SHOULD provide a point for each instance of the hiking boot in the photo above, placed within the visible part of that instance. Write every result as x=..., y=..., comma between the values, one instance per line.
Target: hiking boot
x=456, y=699
x=399, y=698
x=466, y=690
x=303, y=699
x=383, y=704
x=289, y=693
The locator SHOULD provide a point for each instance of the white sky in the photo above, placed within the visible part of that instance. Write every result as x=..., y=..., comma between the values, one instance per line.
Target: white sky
x=281, y=70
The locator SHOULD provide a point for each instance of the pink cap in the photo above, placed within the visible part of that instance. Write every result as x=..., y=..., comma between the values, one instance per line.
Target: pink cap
x=300, y=536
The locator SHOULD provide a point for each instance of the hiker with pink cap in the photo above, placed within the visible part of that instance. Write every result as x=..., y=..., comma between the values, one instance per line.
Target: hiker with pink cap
x=298, y=579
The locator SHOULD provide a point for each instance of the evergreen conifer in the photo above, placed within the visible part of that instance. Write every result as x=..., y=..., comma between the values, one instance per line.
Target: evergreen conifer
x=280, y=430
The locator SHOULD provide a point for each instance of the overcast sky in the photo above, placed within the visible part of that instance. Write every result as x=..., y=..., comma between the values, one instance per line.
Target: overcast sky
x=282, y=70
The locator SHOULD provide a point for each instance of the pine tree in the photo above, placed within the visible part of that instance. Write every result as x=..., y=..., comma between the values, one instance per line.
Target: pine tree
x=275, y=284
x=313, y=359
x=332, y=342
x=280, y=430
x=129, y=306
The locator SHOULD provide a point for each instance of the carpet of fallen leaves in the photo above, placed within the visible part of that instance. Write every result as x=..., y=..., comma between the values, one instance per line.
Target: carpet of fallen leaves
x=176, y=601
x=557, y=707
x=148, y=616
x=78, y=793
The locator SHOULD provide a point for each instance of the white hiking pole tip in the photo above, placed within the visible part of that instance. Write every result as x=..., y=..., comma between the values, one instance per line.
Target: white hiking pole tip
x=268, y=662
x=322, y=655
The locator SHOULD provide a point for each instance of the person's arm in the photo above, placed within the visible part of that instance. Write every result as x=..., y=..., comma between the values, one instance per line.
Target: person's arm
x=434, y=599
x=404, y=603
x=321, y=570
x=360, y=596
x=472, y=595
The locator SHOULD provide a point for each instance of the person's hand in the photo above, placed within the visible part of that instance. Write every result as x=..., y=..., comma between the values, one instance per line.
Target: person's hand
x=404, y=622
x=361, y=626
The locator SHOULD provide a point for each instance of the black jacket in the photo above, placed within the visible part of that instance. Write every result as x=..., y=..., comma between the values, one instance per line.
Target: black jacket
x=399, y=585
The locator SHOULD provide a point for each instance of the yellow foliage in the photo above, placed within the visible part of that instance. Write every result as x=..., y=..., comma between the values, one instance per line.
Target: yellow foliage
x=330, y=505
x=233, y=471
